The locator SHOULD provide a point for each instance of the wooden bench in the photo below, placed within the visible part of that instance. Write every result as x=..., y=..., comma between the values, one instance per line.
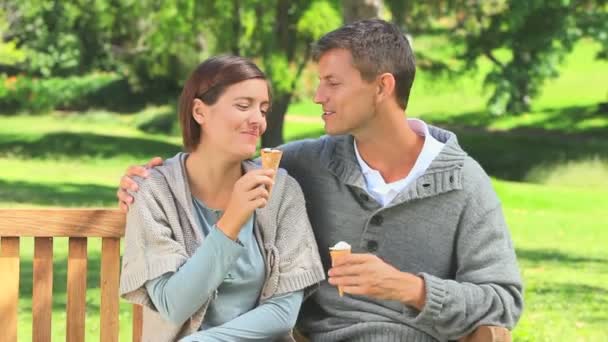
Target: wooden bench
x=78, y=225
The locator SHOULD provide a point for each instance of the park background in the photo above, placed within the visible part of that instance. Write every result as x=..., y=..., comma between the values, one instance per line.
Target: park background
x=90, y=87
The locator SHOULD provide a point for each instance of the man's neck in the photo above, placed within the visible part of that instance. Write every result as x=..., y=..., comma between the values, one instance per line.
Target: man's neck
x=391, y=147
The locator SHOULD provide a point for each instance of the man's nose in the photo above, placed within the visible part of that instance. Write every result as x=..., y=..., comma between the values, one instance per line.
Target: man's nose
x=320, y=96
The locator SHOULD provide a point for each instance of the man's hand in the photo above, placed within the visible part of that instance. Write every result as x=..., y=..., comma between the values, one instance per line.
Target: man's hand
x=126, y=183
x=368, y=275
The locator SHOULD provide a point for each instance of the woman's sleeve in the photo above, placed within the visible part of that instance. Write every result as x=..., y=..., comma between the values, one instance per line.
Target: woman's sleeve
x=177, y=296
x=269, y=321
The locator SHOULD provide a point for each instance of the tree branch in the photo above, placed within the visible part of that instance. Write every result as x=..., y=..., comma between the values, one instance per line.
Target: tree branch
x=493, y=58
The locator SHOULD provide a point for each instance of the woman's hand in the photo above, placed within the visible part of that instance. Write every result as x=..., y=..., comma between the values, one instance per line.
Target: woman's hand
x=249, y=193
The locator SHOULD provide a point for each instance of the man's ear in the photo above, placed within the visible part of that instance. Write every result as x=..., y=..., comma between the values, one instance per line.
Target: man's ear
x=198, y=111
x=385, y=86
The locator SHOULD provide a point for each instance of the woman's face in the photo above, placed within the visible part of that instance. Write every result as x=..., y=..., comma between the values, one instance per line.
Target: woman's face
x=236, y=121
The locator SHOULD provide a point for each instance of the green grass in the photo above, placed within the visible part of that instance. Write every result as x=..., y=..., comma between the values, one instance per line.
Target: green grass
x=549, y=168
x=561, y=239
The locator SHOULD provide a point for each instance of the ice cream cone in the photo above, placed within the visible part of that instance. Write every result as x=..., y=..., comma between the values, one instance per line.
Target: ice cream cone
x=339, y=251
x=270, y=160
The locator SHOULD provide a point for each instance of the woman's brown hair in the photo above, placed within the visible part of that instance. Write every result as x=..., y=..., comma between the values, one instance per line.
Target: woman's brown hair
x=207, y=83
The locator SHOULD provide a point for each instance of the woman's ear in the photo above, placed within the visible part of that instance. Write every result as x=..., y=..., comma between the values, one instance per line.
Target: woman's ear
x=198, y=111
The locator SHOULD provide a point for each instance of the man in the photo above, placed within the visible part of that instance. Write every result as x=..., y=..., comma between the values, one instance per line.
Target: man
x=432, y=257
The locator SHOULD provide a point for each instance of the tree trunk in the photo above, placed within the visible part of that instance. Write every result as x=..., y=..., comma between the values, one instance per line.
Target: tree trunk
x=519, y=100
x=274, y=130
x=353, y=10
x=236, y=27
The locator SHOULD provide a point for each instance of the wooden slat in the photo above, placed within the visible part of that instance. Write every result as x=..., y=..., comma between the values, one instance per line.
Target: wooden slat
x=9, y=287
x=138, y=320
x=42, y=296
x=77, y=289
x=110, y=268
x=62, y=222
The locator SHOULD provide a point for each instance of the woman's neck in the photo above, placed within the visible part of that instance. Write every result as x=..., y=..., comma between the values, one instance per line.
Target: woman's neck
x=212, y=177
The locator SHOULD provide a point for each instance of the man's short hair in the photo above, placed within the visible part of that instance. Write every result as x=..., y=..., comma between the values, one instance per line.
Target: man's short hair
x=377, y=47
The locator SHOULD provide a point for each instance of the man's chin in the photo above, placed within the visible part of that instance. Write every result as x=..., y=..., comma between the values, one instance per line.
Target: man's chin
x=334, y=131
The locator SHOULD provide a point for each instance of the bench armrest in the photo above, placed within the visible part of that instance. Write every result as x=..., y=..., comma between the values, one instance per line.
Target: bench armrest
x=488, y=333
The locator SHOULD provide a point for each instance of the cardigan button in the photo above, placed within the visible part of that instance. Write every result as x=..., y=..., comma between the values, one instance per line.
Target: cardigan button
x=377, y=220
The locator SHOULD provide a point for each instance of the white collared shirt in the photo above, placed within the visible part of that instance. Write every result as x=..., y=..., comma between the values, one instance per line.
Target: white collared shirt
x=384, y=193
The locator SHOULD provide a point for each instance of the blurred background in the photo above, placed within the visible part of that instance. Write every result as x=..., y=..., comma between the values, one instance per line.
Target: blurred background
x=88, y=88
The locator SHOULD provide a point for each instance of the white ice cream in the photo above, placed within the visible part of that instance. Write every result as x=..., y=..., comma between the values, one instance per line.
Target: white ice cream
x=340, y=246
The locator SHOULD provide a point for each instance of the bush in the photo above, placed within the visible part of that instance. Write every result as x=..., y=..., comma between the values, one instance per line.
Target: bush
x=34, y=95
x=161, y=120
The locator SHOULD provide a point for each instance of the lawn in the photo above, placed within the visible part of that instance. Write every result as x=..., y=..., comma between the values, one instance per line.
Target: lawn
x=549, y=167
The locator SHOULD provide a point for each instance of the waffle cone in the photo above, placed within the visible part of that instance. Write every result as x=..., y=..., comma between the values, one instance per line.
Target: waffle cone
x=336, y=254
x=270, y=160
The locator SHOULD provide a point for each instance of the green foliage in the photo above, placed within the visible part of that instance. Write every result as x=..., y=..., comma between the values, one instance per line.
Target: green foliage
x=526, y=41
x=36, y=95
x=10, y=54
x=63, y=38
x=320, y=18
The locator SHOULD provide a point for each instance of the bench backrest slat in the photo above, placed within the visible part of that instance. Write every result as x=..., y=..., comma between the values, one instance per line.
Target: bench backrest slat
x=77, y=288
x=110, y=270
x=9, y=287
x=42, y=292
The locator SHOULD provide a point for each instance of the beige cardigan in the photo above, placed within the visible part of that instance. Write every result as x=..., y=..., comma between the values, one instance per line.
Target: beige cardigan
x=162, y=233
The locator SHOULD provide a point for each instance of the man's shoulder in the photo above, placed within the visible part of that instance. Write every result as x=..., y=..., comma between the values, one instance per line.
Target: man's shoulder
x=311, y=146
x=477, y=184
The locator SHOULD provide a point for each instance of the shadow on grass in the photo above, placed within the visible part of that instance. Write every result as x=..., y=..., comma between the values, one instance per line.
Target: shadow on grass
x=63, y=194
x=549, y=255
x=586, y=303
x=60, y=277
x=514, y=154
x=66, y=144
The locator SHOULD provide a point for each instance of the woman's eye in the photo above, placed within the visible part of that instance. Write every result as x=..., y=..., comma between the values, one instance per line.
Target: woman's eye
x=242, y=106
x=264, y=112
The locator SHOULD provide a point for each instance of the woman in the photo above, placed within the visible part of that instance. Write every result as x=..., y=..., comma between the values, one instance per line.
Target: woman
x=208, y=253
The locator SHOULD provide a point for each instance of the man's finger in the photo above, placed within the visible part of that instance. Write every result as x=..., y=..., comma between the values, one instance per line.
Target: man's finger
x=137, y=170
x=347, y=270
x=354, y=290
x=124, y=196
x=128, y=183
x=156, y=161
x=345, y=281
x=354, y=258
x=123, y=207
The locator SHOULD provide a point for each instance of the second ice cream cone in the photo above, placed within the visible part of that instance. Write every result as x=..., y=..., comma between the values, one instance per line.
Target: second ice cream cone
x=337, y=253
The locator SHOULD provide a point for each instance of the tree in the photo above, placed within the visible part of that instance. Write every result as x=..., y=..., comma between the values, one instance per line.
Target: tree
x=536, y=35
x=353, y=10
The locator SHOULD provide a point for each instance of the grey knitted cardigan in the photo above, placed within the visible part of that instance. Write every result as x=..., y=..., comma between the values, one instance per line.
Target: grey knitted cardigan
x=162, y=233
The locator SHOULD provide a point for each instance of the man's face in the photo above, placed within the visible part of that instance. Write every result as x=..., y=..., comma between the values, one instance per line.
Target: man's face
x=348, y=100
